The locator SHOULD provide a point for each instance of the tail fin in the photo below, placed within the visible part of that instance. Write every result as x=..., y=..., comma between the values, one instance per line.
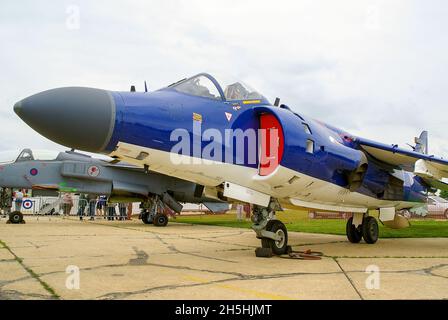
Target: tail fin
x=421, y=143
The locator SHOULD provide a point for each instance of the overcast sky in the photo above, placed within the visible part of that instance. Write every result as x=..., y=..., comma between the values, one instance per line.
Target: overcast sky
x=378, y=69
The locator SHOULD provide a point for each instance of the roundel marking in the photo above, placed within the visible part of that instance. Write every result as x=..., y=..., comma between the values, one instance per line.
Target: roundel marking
x=93, y=171
x=27, y=204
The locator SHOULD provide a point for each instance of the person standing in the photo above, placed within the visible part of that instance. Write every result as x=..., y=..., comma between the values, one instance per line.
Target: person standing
x=110, y=209
x=247, y=210
x=67, y=202
x=101, y=208
x=239, y=212
x=18, y=196
x=130, y=211
x=122, y=209
x=92, y=205
x=82, y=204
x=6, y=200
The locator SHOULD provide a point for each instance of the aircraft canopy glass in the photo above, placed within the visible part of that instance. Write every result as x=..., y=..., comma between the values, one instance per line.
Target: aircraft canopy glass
x=204, y=85
x=238, y=90
x=28, y=155
x=11, y=156
x=200, y=86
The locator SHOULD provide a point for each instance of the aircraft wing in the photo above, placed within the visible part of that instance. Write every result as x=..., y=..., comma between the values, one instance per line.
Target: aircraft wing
x=425, y=165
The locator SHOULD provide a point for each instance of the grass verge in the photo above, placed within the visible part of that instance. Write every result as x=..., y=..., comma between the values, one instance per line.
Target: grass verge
x=297, y=220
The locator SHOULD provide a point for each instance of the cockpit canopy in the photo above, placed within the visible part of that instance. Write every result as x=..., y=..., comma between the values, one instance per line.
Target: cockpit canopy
x=42, y=155
x=204, y=85
x=27, y=155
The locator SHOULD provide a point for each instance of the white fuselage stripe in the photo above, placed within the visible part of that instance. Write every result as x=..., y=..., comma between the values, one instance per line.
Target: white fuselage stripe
x=283, y=183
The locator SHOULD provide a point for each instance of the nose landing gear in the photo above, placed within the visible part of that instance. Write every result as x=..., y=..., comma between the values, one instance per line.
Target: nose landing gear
x=279, y=246
x=272, y=232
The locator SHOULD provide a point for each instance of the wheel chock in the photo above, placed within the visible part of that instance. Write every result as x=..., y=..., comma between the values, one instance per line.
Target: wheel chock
x=263, y=253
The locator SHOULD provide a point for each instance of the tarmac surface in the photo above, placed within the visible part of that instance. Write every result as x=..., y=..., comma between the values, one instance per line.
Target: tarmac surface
x=130, y=260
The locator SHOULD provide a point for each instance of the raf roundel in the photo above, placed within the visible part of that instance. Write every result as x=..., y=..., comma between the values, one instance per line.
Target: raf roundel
x=34, y=172
x=93, y=171
x=27, y=204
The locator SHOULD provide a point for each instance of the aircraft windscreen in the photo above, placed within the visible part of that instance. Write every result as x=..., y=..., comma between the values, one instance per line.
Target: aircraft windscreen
x=42, y=155
x=204, y=85
x=200, y=86
x=236, y=89
x=240, y=91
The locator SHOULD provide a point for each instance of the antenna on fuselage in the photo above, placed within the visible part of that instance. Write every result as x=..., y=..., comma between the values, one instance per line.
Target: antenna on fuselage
x=277, y=102
x=132, y=88
x=146, y=87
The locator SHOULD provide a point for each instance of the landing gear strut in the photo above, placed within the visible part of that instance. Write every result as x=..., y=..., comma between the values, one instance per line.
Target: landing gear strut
x=153, y=212
x=367, y=230
x=272, y=232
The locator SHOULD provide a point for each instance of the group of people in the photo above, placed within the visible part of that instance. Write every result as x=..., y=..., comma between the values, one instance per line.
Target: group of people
x=6, y=200
x=9, y=197
x=243, y=209
x=91, y=206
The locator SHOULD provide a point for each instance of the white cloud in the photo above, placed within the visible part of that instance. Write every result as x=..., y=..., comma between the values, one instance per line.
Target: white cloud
x=375, y=68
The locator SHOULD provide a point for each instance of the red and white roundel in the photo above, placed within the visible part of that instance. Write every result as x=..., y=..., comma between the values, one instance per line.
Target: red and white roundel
x=27, y=204
x=93, y=171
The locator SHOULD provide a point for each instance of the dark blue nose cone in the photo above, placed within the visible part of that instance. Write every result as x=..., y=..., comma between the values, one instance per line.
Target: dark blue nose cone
x=79, y=118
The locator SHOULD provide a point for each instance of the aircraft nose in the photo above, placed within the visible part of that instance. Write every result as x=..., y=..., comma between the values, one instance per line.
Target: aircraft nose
x=76, y=117
x=18, y=107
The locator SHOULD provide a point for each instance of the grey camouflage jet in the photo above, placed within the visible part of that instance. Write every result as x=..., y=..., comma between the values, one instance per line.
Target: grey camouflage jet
x=75, y=172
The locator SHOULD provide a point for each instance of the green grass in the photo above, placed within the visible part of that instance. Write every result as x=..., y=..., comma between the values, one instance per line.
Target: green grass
x=297, y=220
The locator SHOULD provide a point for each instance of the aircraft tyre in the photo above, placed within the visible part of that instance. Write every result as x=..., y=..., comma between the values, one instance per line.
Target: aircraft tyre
x=16, y=217
x=354, y=234
x=160, y=220
x=145, y=218
x=370, y=230
x=278, y=247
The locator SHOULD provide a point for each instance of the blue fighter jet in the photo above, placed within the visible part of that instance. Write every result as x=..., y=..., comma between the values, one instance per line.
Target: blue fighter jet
x=229, y=139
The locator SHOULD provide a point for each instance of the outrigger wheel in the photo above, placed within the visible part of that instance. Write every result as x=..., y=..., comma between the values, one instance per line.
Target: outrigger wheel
x=367, y=230
x=278, y=247
x=16, y=217
x=160, y=220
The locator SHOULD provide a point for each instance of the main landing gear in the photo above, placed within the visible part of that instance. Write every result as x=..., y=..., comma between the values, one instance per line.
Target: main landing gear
x=159, y=219
x=272, y=232
x=154, y=212
x=367, y=229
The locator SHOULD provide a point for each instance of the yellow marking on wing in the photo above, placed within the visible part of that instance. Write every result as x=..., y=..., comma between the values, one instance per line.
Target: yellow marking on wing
x=256, y=293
